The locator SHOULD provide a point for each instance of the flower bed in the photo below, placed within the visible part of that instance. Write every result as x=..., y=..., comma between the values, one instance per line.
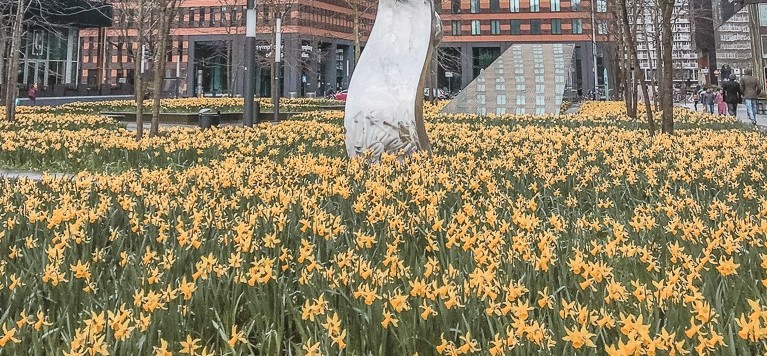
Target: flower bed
x=514, y=238
x=187, y=105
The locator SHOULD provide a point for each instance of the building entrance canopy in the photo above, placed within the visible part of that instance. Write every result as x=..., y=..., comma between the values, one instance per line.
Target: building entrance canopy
x=75, y=13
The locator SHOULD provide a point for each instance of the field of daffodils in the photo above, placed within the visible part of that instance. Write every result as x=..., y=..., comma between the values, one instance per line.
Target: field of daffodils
x=521, y=235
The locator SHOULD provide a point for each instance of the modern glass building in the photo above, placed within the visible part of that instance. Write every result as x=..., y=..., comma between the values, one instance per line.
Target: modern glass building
x=50, y=50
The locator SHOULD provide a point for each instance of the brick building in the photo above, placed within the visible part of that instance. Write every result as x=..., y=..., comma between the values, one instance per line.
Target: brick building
x=477, y=32
x=207, y=48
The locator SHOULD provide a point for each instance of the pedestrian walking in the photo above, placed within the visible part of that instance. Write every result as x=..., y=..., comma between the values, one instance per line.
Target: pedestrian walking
x=732, y=95
x=32, y=93
x=750, y=89
x=709, y=100
x=720, y=104
x=695, y=99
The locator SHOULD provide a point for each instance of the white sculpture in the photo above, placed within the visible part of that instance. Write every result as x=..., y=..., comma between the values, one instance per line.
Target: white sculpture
x=384, y=108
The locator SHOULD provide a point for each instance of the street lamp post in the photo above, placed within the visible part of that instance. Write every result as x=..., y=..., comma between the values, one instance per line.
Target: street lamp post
x=250, y=64
x=277, y=59
x=594, y=49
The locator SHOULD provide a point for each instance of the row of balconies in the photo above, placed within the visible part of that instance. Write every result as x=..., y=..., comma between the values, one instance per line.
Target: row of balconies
x=644, y=48
x=677, y=62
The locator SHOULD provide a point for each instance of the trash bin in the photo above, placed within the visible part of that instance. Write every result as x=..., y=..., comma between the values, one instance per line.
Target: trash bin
x=292, y=95
x=208, y=118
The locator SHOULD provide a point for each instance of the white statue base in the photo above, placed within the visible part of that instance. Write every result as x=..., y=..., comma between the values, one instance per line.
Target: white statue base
x=384, y=107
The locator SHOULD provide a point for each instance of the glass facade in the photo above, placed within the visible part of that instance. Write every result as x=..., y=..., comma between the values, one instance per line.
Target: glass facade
x=525, y=79
x=49, y=57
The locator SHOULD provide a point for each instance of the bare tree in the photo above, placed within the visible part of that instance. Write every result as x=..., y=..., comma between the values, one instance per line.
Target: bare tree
x=359, y=9
x=272, y=10
x=13, y=22
x=629, y=28
x=133, y=24
x=667, y=82
x=145, y=25
x=168, y=11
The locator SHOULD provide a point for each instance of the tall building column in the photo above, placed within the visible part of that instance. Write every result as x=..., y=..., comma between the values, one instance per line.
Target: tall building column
x=237, y=65
x=291, y=66
x=348, y=59
x=329, y=66
x=191, y=74
x=310, y=65
x=467, y=65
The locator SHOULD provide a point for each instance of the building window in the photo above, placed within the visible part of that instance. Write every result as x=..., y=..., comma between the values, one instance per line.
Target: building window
x=577, y=26
x=556, y=27
x=191, y=16
x=91, y=77
x=602, y=27
x=495, y=27
x=575, y=4
x=555, y=5
x=513, y=5
x=483, y=57
x=516, y=27
x=456, y=28
x=475, y=27
x=474, y=6
x=535, y=5
x=601, y=5
x=535, y=27
x=763, y=15
x=456, y=6
x=495, y=5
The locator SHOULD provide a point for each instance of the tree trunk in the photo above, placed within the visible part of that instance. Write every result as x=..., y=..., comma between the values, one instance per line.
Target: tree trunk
x=4, y=27
x=138, y=75
x=657, y=87
x=11, y=88
x=667, y=82
x=160, y=65
x=433, y=69
x=628, y=82
x=357, y=34
x=632, y=49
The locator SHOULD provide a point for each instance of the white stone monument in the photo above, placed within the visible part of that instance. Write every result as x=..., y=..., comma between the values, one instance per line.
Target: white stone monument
x=384, y=107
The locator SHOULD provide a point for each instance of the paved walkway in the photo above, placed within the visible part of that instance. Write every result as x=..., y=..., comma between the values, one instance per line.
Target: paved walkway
x=574, y=109
x=35, y=176
x=761, y=120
